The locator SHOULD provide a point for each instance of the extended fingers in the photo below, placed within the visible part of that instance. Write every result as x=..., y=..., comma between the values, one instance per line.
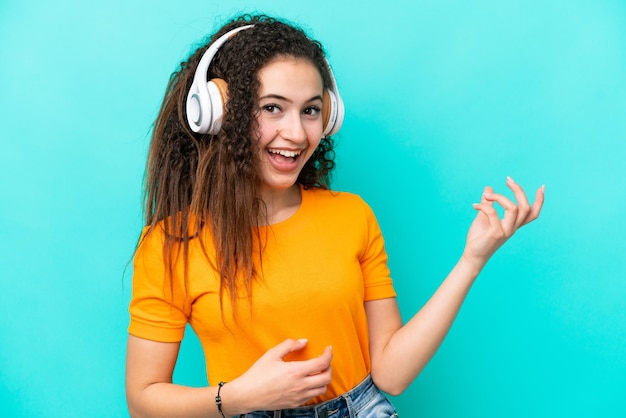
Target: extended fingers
x=487, y=192
x=523, y=207
x=509, y=221
x=526, y=213
x=487, y=209
x=517, y=215
x=537, y=205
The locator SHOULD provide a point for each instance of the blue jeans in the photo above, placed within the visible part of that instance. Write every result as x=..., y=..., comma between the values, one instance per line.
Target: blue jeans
x=364, y=401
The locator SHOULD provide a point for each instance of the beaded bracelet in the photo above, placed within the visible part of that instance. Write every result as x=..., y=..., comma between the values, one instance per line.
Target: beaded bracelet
x=218, y=398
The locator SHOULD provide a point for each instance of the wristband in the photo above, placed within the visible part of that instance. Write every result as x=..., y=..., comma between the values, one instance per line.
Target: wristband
x=218, y=398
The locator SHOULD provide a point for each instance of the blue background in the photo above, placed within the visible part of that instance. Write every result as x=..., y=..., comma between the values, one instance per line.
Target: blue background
x=442, y=98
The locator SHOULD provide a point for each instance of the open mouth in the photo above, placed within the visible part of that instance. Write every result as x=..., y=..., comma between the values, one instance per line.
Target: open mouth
x=282, y=154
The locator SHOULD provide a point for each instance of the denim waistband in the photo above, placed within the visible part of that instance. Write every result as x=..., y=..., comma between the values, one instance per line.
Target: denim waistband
x=354, y=400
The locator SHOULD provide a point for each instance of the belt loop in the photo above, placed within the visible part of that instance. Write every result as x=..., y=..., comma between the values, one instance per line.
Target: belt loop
x=351, y=410
x=350, y=405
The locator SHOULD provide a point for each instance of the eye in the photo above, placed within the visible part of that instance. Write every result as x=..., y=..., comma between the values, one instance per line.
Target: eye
x=271, y=108
x=312, y=111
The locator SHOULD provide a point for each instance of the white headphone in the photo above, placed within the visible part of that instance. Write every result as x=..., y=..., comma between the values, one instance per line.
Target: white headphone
x=206, y=98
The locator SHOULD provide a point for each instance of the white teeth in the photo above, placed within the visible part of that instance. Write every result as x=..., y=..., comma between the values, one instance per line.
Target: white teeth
x=285, y=153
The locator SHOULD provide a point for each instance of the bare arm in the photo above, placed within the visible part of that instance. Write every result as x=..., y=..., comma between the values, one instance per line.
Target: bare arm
x=269, y=384
x=398, y=352
x=149, y=388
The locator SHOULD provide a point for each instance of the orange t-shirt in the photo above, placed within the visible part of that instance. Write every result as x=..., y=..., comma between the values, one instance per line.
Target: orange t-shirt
x=318, y=268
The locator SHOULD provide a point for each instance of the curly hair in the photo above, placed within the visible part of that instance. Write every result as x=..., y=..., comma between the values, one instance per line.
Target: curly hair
x=195, y=181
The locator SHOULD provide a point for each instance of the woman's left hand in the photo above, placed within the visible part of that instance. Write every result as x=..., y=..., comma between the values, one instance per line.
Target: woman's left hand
x=488, y=232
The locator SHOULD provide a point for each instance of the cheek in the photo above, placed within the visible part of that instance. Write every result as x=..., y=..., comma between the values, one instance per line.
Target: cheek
x=316, y=135
x=265, y=132
x=315, y=142
x=314, y=132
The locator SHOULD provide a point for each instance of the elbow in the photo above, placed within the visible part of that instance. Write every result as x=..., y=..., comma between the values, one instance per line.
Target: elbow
x=132, y=410
x=389, y=384
x=394, y=390
x=135, y=411
x=133, y=403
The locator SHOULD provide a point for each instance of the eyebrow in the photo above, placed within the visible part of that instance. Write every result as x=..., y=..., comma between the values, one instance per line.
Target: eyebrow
x=279, y=97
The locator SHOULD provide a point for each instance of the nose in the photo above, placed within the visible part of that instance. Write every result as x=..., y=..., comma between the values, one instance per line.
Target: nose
x=293, y=128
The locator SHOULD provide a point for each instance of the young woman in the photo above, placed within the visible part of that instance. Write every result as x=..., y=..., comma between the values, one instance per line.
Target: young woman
x=284, y=281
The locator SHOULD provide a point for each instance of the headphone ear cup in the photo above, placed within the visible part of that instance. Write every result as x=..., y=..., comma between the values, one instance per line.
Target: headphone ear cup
x=332, y=112
x=197, y=104
x=326, y=108
x=218, y=96
x=206, y=99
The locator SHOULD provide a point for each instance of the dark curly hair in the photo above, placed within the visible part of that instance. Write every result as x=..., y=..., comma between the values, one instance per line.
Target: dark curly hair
x=194, y=181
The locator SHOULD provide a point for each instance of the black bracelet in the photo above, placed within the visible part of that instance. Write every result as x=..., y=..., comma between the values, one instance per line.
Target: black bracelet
x=218, y=398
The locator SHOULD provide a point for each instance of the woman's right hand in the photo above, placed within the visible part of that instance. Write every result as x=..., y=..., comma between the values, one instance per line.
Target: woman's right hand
x=272, y=383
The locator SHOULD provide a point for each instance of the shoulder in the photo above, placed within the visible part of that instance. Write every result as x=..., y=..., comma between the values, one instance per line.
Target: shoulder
x=173, y=229
x=334, y=197
x=338, y=204
x=151, y=237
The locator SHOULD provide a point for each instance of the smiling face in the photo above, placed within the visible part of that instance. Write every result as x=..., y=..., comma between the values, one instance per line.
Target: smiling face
x=289, y=118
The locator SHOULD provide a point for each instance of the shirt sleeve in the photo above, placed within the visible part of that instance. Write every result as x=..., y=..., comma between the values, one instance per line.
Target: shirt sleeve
x=376, y=274
x=157, y=305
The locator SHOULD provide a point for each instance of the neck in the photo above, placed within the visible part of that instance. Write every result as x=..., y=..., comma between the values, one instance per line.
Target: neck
x=280, y=204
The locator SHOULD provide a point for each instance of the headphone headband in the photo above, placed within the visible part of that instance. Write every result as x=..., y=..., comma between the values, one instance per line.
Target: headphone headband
x=205, y=101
